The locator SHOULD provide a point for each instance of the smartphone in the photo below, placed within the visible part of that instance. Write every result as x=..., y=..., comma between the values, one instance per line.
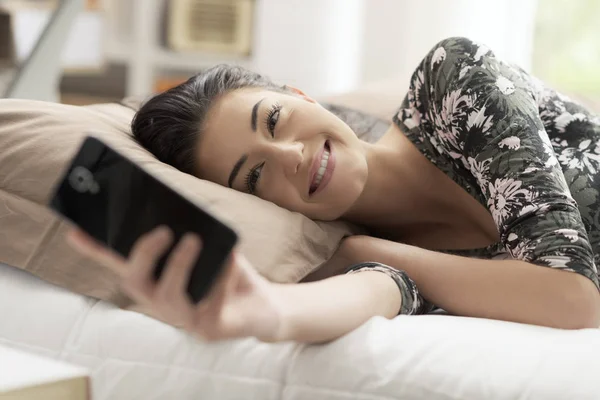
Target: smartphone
x=115, y=201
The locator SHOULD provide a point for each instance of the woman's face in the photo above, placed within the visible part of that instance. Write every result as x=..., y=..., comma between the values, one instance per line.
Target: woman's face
x=284, y=148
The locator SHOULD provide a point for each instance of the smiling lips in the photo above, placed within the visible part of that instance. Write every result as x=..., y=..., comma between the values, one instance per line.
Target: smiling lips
x=321, y=169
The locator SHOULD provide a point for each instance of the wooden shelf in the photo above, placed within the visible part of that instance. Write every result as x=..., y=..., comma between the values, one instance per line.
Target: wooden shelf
x=135, y=30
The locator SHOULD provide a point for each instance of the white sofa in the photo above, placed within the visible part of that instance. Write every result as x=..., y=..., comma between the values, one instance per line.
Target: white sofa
x=131, y=356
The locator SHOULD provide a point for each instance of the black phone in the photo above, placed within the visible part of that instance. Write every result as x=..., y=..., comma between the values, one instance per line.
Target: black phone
x=115, y=201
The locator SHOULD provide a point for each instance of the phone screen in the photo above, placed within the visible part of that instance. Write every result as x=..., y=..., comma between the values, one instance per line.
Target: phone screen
x=115, y=201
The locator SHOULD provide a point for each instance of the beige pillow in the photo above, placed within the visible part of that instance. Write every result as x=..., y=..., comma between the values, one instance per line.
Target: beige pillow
x=37, y=141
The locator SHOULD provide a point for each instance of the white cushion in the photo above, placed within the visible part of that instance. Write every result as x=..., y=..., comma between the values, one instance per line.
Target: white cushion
x=430, y=357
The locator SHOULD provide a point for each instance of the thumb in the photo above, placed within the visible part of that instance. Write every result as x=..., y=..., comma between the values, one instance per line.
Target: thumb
x=249, y=277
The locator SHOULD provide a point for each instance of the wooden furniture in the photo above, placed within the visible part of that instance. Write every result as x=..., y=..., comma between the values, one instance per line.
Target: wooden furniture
x=25, y=376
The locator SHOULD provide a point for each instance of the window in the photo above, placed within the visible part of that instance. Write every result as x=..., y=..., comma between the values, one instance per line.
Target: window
x=567, y=47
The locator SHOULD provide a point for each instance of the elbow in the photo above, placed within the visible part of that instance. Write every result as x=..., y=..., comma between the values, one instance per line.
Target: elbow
x=582, y=309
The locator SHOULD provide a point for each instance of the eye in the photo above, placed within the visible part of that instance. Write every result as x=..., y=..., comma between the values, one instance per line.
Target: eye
x=272, y=118
x=253, y=177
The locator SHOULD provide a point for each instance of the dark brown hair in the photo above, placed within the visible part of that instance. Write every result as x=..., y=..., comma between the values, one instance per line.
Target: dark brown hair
x=170, y=123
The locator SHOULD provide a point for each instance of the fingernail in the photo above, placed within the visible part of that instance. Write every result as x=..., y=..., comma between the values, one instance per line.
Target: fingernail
x=163, y=232
x=192, y=236
x=191, y=240
x=74, y=237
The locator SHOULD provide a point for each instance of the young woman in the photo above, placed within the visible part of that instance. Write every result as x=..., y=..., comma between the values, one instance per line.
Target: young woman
x=485, y=189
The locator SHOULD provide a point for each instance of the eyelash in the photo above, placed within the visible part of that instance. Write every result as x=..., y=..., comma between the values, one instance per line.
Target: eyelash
x=270, y=122
x=252, y=178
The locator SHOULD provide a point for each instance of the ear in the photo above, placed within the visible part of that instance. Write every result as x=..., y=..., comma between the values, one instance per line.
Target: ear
x=300, y=93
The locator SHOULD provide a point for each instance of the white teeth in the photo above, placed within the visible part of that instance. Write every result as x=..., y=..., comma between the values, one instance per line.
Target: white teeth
x=322, y=168
x=325, y=158
x=319, y=176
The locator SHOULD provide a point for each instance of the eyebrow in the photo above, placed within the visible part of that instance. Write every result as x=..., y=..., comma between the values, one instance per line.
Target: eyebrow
x=240, y=163
x=236, y=169
x=254, y=115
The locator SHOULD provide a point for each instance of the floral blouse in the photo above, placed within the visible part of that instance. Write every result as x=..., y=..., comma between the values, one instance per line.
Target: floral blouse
x=527, y=153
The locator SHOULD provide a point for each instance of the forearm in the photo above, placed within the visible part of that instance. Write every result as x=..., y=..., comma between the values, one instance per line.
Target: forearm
x=325, y=310
x=510, y=290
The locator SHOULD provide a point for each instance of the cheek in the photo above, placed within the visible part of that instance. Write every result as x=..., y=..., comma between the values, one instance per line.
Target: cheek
x=284, y=195
x=347, y=183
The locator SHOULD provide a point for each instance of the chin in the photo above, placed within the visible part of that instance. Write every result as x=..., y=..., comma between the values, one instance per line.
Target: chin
x=344, y=193
x=344, y=187
x=327, y=215
x=322, y=211
x=337, y=206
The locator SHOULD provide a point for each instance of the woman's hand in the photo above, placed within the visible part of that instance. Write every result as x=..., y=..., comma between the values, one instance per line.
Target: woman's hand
x=241, y=303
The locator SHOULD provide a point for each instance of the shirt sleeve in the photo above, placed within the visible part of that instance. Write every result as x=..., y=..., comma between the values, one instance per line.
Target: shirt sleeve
x=481, y=114
x=412, y=301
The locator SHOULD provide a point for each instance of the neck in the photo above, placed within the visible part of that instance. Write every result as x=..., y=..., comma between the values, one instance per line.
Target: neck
x=399, y=189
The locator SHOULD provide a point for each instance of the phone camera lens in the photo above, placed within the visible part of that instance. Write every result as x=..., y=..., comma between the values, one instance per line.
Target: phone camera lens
x=82, y=180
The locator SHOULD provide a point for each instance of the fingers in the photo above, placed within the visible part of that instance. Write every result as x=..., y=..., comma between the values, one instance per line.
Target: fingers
x=212, y=316
x=167, y=298
x=225, y=282
x=175, y=277
x=215, y=317
x=138, y=281
x=170, y=297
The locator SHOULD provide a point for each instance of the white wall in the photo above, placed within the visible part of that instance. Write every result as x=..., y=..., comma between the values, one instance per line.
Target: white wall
x=315, y=45
x=329, y=46
x=332, y=46
x=83, y=49
x=400, y=32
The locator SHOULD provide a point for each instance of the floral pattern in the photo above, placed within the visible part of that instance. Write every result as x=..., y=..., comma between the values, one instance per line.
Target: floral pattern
x=527, y=153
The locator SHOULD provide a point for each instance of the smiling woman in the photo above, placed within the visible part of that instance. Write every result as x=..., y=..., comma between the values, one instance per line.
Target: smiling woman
x=482, y=218
x=237, y=128
x=279, y=158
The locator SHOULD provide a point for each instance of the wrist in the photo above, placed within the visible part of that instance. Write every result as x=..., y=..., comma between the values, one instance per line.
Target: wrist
x=353, y=249
x=281, y=330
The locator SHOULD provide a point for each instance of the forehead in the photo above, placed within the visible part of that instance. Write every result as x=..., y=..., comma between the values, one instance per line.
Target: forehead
x=227, y=133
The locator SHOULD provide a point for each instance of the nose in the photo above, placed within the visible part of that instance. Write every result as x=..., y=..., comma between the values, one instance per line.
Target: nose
x=289, y=155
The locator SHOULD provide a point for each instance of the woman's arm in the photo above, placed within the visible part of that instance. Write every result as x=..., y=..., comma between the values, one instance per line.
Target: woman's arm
x=510, y=290
x=482, y=118
x=242, y=303
x=325, y=310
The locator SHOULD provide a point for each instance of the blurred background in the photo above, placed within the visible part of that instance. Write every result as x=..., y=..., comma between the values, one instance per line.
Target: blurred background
x=90, y=51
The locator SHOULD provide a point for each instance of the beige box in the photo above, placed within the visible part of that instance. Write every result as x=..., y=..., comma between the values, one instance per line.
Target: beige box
x=25, y=376
x=223, y=26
